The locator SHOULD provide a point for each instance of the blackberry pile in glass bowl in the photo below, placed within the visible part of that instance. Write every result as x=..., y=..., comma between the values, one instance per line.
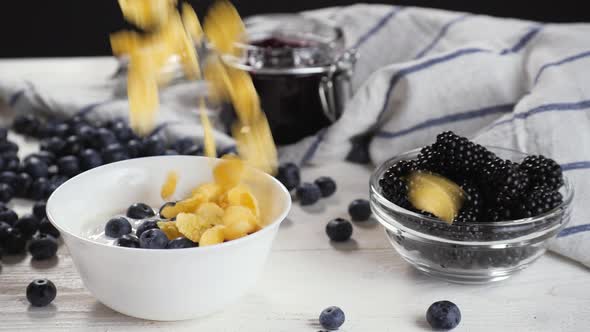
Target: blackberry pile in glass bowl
x=509, y=205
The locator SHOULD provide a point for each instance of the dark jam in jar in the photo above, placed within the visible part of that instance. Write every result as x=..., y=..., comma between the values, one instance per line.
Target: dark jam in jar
x=291, y=102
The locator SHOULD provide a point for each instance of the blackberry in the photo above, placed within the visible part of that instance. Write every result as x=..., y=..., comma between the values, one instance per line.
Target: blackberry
x=506, y=181
x=543, y=171
x=473, y=197
x=456, y=156
x=395, y=190
x=498, y=213
x=538, y=201
x=466, y=216
x=402, y=168
x=429, y=159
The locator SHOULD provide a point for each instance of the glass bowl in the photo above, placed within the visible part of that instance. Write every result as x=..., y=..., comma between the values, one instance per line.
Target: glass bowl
x=467, y=253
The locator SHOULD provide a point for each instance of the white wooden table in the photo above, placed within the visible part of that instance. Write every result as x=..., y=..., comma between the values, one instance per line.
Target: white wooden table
x=306, y=273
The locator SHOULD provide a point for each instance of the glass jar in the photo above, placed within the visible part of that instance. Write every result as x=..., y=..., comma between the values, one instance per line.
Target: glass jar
x=300, y=69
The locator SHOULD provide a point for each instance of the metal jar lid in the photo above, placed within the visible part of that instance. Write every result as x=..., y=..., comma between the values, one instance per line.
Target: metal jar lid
x=291, y=44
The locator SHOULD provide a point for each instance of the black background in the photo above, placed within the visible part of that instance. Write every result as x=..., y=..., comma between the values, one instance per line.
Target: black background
x=48, y=28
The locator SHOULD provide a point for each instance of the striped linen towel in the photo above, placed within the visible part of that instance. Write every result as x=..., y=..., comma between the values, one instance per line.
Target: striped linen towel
x=509, y=83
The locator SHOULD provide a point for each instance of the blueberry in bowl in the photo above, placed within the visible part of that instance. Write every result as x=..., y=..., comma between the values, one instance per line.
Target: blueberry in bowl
x=467, y=213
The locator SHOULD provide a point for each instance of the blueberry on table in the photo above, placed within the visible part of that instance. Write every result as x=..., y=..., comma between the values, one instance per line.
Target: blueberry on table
x=359, y=210
x=153, y=239
x=146, y=225
x=68, y=166
x=153, y=146
x=8, y=147
x=140, y=211
x=62, y=129
x=89, y=159
x=339, y=230
x=25, y=124
x=332, y=318
x=117, y=227
x=27, y=224
x=6, y=192
x=134, y=148
x=9, y=178
x=3, y=134
x=43, y=247
x=46, y=227
x=171, y=152
x=36, y=168
x=15, y=242
x=181, y=243
x=288, y=174
x=41, y=292
x=104, y=138
x=122, y=131
x=47, y=156
x=183, y=145
x=308, y=193
x=39, y=189
x=11, y=162
x=193, y=150
x=327, y=185
x=73, y=145
x=39, y=209
x=7, y=215
x=115, y=152
x=128, y=241
x=443, y=315
x=55, y=145
x=228, y=150
x=4, y=231
x=86, y=133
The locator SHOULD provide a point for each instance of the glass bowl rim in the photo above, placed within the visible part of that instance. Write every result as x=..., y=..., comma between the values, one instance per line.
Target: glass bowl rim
x=378, y=172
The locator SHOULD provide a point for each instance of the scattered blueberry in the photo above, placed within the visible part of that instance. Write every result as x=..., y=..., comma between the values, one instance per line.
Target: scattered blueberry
x=288, y=175
x=15, y=242
x=327, y=185
x=47, y=156
x=183, y=145
x=359, y=210
x=146, y=225
x=170, y=152
x=46, y=227
x=128, y=241
x=36, y=168
x=308, y=193
x=41, y=292
x=6, y=192
x=86, y=133
x=73, y=145
x=117, y=227
x=163, y=206
x=193, y=150
x=332, y=318
x=122, y=131
x=7, y=215
x=339, y=230
x=55, y=145
x=4, y=231
x=68, y=166
x=140, y=211
x=89, y=159
x=39, y=210
x=443, y=315
x=11, y=162
x=9, y=178
x=228, y=150
x=25, y=124
x=115, y=152
x=39, y=189
x=181, y=243
x=3, y=134
x=23, y=184
x=62, y=129
x=153, y=239
x=105, y=137
x=27, y=224
x=153, y=146
x=43, y=246
x=134, y=148
x=8, y=147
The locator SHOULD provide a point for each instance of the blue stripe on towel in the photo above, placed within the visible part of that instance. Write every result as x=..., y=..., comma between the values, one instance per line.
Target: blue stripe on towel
x=560, y=62
x=555, y=107
x=15, y=96
x=524, y=40
x=441, y=34
x=450, y=118
x=313, y=147
x=574, y=230
x=380, y=24
x=424, y=65
x=575, y=165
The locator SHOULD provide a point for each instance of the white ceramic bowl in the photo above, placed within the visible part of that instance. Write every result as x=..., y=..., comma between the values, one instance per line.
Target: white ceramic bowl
x=160, y=284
